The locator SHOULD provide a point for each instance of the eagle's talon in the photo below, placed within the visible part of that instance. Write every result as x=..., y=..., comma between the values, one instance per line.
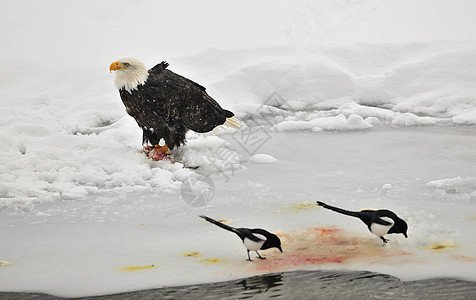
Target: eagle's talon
x=156, y=152
x=163, y=148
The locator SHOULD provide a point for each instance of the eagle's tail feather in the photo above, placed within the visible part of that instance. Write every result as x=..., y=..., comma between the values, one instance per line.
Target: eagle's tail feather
x=233, y=123
x=229, y=123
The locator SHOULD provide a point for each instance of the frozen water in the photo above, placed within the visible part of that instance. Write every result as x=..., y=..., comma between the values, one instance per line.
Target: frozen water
x=299, y=285
x=425, y=175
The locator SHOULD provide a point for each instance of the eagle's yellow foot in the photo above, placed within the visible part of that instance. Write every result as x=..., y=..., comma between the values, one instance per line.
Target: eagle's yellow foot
x=163, y=148
x=157, y=153
x=146, y=149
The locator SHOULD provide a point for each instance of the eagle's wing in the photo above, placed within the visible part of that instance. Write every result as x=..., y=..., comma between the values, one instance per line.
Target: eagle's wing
x=159, y=68
x=184, y=99
x=202, y=113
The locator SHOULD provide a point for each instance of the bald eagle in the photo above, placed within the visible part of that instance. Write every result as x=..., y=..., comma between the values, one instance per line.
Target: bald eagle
x=164, y=104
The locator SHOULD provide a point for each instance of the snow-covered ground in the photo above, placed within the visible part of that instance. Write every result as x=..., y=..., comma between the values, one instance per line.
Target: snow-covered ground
x=359, y=105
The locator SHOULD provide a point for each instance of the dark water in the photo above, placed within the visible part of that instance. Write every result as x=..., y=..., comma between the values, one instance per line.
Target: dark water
x=301, y=285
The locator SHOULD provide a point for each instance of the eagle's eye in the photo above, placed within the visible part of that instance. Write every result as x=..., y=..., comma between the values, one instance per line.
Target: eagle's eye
x=126, y=64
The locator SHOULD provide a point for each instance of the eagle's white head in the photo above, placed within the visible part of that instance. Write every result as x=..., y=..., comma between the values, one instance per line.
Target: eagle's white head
x=130, y=73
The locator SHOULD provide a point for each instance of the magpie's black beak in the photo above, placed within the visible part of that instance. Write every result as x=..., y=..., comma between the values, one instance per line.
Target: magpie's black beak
x=405, y=234
x=280, y=249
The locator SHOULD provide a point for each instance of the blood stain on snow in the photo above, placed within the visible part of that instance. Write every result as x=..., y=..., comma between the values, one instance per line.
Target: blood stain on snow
x=324, y=246
x=463, y=258
x=137, y=268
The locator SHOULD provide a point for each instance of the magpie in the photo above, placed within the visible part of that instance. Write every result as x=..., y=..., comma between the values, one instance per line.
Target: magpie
x=380, y=222
x=253, y=239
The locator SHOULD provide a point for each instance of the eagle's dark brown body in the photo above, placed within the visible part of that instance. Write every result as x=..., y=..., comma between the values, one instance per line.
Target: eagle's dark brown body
x=168, y=105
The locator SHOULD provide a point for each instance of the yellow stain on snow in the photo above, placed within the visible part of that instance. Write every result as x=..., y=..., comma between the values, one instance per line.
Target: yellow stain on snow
x=472, y=218
x=297, y=207
x=5, y=262
x=137, y=268
x=210, y=260
x=440, y=245
x=305, y=205
x=192, y=254
x=225, y=221
x=197, y=254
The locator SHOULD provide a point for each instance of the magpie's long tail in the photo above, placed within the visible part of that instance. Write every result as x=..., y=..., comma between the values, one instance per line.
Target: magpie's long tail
x=339, y=210
x=219, y=224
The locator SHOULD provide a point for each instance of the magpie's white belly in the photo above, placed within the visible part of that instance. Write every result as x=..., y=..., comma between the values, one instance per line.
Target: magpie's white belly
x=381, y=230
x=252, y=245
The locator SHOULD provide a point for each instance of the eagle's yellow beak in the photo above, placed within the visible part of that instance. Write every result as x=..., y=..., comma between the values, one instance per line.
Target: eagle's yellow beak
x=115, y=66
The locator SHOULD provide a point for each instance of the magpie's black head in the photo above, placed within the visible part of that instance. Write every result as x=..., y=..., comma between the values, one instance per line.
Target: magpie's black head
x=272, y=241
x=400, y=226
x=404, y=229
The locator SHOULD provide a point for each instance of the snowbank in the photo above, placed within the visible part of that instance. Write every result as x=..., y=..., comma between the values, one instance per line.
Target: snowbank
x=262, y=159
x=424, y=80
x=456, y=185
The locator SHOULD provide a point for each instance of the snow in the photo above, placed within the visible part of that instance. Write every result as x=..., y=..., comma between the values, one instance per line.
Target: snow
x=466, y=118
x=358, y=104
x=409, y=119
x=263, y=159
x=455, y=185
